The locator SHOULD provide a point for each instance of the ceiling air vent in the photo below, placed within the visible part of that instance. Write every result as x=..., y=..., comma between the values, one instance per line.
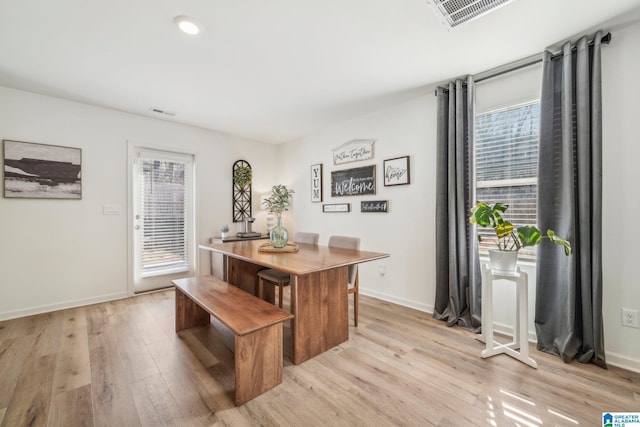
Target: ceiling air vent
x=159, y=111
x=455, y=12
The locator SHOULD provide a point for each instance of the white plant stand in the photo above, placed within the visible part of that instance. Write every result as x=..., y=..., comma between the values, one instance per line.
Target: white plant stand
x=520, y=335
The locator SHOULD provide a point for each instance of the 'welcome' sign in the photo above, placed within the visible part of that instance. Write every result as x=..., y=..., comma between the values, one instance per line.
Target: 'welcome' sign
x=353, y=182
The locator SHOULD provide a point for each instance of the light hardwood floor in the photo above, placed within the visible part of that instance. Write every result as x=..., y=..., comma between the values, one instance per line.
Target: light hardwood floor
x=121, y=364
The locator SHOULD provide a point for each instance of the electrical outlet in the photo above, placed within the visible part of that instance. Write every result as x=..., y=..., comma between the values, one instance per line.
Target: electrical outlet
x=382, y=269
x=630, y=317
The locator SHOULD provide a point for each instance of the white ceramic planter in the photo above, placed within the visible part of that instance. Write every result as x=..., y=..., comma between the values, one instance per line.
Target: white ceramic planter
x=503, y=261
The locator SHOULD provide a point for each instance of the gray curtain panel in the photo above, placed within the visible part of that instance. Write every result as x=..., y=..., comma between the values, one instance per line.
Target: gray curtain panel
x=458, y=277
x=568, y=316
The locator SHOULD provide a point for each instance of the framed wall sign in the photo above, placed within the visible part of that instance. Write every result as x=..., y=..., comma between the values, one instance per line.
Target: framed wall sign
x=353, y=182
x=337, y=207
x=396, y=171
x=374, y=206
x=353, y=151
x=316, y=183
x=40, y=171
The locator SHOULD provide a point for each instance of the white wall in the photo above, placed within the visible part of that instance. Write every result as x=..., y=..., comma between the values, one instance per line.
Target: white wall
x=59, y=253
x=408, y=231
x=621, y=175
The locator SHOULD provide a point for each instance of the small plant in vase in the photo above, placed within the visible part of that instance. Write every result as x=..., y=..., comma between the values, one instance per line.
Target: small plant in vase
x=224, y=231
x=277, y=203
x=509, y=238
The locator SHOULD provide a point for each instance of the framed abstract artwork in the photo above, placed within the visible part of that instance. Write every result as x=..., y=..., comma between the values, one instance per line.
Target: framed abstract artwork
x=41, y=171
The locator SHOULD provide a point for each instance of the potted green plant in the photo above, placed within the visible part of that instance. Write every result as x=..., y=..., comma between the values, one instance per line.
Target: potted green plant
x=224, y=231
x=510, y=239
x=242, y=176
x=277, y=203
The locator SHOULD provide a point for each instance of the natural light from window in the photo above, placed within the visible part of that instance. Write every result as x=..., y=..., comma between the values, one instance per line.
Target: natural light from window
x=507, y=165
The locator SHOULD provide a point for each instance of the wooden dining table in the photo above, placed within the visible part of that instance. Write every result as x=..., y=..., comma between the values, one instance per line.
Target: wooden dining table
x=319, y=280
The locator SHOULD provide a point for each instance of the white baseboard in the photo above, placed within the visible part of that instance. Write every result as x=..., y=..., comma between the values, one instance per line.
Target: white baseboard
x=61, y=306
x=400, y=301
x=623, y=362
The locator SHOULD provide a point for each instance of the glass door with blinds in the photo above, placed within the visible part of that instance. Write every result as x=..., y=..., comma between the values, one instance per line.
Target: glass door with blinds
x=163, y=218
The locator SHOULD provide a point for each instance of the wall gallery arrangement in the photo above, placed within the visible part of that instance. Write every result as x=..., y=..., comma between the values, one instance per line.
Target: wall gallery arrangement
x=41, y=171
x=360, y=181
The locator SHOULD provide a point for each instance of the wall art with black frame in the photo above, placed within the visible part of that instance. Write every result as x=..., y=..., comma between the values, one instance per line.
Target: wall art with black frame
x=374, y=206
x=396, y=171
x=353, y=182
x=42, y=171
x=336, y=207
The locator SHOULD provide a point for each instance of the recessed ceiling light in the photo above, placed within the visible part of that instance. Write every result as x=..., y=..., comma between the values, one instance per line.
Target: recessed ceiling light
x=187, y=24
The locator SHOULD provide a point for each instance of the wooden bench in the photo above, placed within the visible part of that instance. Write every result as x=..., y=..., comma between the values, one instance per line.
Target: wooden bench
x=256, y=325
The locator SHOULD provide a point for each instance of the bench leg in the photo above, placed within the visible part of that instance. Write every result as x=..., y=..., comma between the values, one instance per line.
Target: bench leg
x=258, y=360
x=188, y=313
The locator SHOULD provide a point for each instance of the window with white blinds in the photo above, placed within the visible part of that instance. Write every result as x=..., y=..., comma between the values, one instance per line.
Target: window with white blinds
x=507, y=165
x=164, y=218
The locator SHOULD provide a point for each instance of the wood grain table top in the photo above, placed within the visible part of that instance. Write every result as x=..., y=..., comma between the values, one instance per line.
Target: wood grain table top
x=309, y=258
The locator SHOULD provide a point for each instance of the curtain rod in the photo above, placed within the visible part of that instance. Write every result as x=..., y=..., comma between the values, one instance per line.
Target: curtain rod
x=525, y=62
x=528, y=62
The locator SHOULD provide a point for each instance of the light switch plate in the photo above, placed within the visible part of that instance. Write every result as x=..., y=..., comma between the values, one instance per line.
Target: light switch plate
x=111, y=209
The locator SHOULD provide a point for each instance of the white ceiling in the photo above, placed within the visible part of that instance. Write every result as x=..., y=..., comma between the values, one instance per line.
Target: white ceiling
x=269, y=70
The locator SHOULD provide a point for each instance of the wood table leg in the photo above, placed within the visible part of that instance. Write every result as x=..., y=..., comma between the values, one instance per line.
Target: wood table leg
x=319, y=303
x=244, y=275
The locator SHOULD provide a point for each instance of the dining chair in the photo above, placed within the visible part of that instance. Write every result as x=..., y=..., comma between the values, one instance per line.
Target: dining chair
x=349, y=243
x=281, y=278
